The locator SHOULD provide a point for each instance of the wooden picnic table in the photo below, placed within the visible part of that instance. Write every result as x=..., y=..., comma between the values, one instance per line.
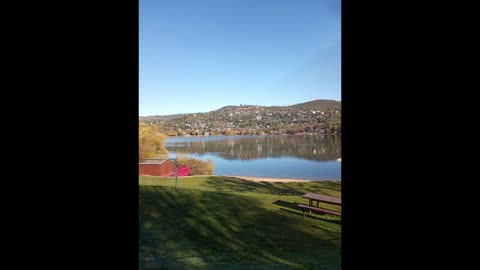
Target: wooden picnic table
x=320, y=198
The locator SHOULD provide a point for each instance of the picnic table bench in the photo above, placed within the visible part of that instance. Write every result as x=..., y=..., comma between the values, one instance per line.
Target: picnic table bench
x=314, y=197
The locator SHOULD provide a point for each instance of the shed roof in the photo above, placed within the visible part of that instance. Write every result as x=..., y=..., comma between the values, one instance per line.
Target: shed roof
x=152, y=161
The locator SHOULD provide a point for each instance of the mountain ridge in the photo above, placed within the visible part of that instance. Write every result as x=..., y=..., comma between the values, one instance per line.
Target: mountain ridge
x=312, y=103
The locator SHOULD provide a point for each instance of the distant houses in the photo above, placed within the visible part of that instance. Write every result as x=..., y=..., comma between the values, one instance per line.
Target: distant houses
x=310, y=117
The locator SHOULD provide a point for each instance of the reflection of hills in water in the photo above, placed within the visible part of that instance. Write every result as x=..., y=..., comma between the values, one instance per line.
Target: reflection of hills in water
x=309, y=147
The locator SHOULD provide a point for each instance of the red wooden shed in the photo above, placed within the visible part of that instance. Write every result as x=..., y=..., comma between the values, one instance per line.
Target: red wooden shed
x=156, y=167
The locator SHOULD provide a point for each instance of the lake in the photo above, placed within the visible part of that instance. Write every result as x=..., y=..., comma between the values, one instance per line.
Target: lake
x=300, y=157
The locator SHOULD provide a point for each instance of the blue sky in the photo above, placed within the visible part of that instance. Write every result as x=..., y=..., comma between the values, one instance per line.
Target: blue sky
x=201, y=55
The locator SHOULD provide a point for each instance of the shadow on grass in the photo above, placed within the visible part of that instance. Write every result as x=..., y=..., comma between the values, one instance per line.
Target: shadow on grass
x=291, y=205
x=194, y=229
x=312, y=216
x=232, y=184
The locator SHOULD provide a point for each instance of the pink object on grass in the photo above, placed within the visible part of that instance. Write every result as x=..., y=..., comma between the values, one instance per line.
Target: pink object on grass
x=182, y=171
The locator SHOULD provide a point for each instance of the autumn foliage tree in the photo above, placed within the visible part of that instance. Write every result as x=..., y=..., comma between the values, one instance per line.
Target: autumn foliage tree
x=150, y=141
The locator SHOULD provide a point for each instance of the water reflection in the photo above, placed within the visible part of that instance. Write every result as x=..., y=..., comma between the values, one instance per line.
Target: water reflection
x=253, y=147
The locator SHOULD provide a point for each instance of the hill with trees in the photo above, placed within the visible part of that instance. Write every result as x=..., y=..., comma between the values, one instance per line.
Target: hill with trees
x=317, y=116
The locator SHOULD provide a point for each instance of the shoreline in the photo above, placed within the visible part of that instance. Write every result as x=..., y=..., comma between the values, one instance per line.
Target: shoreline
x=278, y=180
x=264, y=135
x=252, y=178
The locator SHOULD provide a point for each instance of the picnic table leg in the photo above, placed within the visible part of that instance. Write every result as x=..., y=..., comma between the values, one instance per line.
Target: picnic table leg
x=310, y=202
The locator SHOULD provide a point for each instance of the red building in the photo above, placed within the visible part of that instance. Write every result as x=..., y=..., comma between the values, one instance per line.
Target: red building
x=159, y=167
x=156, y=167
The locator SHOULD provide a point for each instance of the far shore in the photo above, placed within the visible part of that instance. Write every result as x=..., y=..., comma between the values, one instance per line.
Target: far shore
x=253, y=178
x=239, y=135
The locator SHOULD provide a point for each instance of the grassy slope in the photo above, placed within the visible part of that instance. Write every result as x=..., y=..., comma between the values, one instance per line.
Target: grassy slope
x=221, y=223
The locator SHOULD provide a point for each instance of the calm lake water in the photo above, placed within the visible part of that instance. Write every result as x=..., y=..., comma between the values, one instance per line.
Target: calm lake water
x=306, y=157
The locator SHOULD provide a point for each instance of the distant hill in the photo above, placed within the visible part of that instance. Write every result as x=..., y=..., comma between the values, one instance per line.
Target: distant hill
x=315, y=116
x=319, y=103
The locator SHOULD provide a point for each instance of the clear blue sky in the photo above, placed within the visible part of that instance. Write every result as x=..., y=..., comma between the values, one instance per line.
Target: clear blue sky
x=201, y=55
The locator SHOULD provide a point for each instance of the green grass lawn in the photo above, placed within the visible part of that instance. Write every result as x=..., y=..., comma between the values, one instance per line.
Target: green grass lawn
x=223, y=223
